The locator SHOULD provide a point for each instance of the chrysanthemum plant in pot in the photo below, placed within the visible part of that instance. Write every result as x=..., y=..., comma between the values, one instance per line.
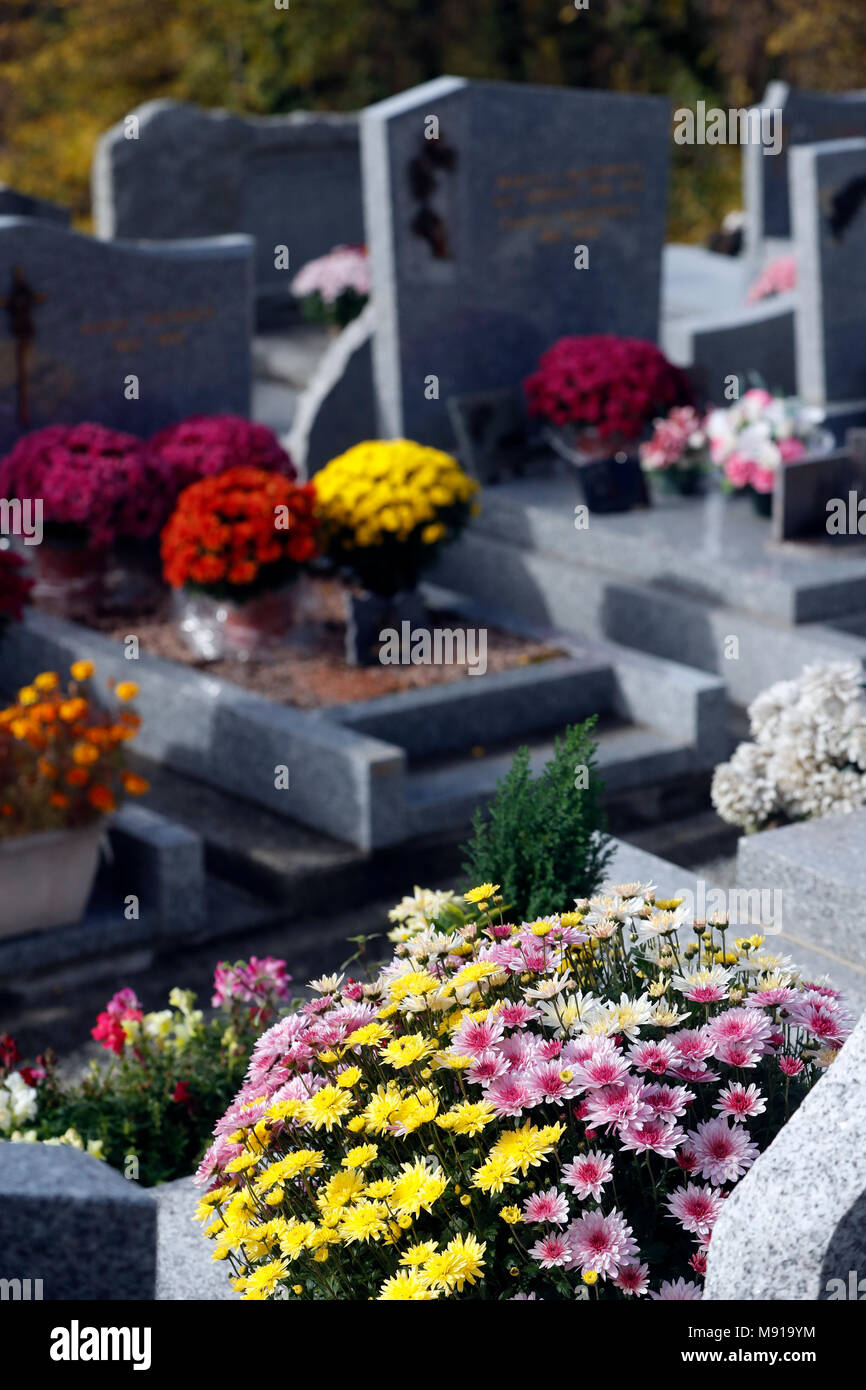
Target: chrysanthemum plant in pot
x=96, y=489
x=333, y=289
x=233, y=551
x=386, y=507
x=550, y=1109
x=598, y=395
x=62, y=773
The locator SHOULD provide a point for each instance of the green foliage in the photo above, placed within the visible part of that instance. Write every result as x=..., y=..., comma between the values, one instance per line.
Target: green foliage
x=543, y=840
x=129, y=1106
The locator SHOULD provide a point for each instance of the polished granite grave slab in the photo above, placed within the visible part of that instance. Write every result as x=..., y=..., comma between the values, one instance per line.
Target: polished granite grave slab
x=715, y=548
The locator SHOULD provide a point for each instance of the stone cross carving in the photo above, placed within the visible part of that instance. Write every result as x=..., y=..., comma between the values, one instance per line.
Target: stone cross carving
x=19, y=304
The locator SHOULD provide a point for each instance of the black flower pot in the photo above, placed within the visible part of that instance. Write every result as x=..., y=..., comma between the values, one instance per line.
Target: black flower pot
x=609, y=484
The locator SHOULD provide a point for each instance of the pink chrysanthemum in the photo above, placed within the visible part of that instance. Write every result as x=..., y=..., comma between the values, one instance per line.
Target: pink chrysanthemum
x=552, y=1251
x=740, y=1101
x=632, y=1279
x=509, y=1095
x=549, y=1206
x=724, y=1151
x=601, y=1243
x=587, y=1175
x=791, y=1066
x=695, y=1207
x=679, y=1289
x=476, y=1036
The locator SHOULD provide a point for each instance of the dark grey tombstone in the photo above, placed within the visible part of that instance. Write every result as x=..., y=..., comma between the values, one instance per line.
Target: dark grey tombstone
x=15, y=204
x=76, y=1225
x=828, y=198
x=476, y=196
x=292, y=181
x=805, y=490
x=807, y=117
x=79, y=319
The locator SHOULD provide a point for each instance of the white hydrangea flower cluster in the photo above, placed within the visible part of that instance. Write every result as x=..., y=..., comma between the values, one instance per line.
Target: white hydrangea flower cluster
x=809, y=754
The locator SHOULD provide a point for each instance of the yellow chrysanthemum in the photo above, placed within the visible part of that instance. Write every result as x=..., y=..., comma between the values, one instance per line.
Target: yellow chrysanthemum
x=405, y=1051
x=262, y=1282
x=468, y=1117
x=364, y=1222
x=327, y=1107
x=461, y=1262
x=496, y=1172
x=407, y=1286
x=342, y=1189
x=368, y=1034
x=360, y=1156
x=482, y=892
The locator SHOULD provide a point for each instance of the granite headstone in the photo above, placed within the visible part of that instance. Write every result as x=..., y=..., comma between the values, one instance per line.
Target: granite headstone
x=807, y=117
x=75, y=1224
x=130, y=335
x=15, y=204
x=794, y=1228
x=175, y=170
x=477, y=196
x=828, y=199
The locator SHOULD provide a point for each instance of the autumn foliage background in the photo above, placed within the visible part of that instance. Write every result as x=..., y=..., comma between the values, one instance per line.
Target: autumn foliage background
x=71, y=68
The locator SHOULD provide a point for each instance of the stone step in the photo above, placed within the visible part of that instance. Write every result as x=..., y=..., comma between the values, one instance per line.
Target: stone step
x=446, y=793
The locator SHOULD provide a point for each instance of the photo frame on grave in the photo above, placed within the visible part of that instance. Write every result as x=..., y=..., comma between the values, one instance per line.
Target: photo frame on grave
x=494, y=437
x=804, y=489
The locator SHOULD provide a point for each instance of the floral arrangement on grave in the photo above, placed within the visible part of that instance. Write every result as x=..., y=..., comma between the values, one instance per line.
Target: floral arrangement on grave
x=677, y=453
x=204, y=445
x=232, y=549
x=21, y=1089
x=602, y=390
x=63, y=769
x=62, y=763
x=96, y=487
x=333, y=289
x=169, y=1076
x=15, y=589
x=752, y=439
x=808, y=755
x=777, y=277
x=387, y=506
x=515, y=1109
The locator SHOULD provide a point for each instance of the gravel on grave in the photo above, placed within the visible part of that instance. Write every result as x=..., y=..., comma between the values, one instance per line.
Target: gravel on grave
x=313, y=672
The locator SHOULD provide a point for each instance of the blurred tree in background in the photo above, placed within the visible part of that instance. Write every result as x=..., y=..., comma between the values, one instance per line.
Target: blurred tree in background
x=71, y=68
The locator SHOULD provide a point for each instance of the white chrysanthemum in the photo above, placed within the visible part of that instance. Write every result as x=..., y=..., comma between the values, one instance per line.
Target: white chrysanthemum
x=809, y=754
x=742, y=792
